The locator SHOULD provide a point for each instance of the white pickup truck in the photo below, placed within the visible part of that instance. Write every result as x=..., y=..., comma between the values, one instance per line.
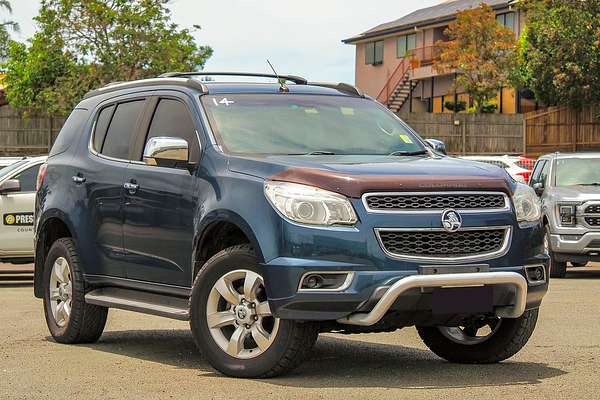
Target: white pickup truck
x=17, y=197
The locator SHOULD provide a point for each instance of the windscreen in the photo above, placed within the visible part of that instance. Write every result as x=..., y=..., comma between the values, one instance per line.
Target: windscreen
x=12, y=167
x=577, y=171
x=302, y=124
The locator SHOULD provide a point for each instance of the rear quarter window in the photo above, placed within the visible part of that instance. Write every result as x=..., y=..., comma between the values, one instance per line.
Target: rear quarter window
x=73, y=126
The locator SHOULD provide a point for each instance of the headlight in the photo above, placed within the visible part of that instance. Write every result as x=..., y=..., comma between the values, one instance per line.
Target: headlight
x=527, y=204
x=310, y=205
x=567, y=214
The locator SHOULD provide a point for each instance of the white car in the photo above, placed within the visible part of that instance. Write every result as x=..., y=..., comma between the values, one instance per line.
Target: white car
x=17, y=198
x=6, y=161
x=514, y=165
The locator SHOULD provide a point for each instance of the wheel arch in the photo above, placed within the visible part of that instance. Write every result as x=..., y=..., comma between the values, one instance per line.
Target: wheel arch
x=51, y=228
x=219, y=230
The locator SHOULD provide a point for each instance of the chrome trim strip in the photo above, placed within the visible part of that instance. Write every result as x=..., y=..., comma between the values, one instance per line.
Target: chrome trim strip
x=425, y=281
x=448, y=260
x=435, y=211
x=345, y=285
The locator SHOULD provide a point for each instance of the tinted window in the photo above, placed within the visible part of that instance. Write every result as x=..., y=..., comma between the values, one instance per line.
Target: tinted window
x=374, y=52
x=121, y=129
x=172, y=119
x=28, y=178
x=102, y=126
x=69, y=131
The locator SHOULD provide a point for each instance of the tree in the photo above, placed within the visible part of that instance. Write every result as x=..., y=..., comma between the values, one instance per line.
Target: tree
x=559, y=52
x=83, y=44
x=481, y=51
x=5, y=28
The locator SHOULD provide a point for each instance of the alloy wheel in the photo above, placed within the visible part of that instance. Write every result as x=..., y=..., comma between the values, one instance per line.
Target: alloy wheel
x=238, y=315
x=472, y=332
x=61, y=291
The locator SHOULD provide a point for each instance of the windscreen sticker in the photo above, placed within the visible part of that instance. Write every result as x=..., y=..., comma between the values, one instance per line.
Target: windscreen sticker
x=18, y=219
x=224, y=101
x=311, y=111
x=406, y=139
x=347, y=111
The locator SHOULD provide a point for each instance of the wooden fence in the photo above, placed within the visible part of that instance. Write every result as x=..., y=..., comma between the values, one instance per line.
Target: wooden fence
x=466, y=134
x=562, y=129
x=26, y=136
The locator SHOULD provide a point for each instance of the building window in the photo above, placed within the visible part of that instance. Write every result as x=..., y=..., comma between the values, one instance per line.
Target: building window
x=405, y=43
x=507, y=20
x=374, y=53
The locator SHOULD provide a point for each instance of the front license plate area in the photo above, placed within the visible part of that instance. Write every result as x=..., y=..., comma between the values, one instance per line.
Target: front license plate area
x=463, y=300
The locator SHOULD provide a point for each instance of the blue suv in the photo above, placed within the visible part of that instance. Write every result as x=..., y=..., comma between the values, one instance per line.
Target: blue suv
x=268, y=212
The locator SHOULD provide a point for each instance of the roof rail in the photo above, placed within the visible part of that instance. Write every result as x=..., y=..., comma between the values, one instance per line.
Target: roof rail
x=114, y=86
x=342, y=87
x=290, y=78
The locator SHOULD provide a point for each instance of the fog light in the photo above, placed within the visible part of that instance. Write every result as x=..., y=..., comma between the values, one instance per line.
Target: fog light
x=325, y=281
x=536, y=274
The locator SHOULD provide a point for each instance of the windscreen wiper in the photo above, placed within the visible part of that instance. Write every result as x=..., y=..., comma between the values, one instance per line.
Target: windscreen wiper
x=590, y=184
x=320, y=153
x=409, y=153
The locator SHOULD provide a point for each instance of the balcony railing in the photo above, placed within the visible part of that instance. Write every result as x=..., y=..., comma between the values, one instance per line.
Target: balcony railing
x=415, y=58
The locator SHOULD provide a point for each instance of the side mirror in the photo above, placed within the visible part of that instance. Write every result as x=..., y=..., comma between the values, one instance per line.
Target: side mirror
x=167, y=152
x=436, y=145
x=10, y=186
x=539, y=188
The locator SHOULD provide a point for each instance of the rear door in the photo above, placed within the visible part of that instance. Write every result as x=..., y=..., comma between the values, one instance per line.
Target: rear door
x=159, y=213
x=16, y=230
x=101, y=179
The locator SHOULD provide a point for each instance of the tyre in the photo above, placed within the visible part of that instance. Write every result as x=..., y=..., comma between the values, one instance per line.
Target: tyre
x=558, y=269
x=69, y=319
x=232, y=323
x=480, y=342
x=579, y=265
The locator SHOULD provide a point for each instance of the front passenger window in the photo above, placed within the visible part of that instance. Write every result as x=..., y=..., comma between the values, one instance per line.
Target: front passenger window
x=172, y=119
x=28, y=178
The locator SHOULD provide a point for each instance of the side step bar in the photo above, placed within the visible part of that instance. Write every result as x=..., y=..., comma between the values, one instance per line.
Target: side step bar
x=135, y=300
x=426, y=281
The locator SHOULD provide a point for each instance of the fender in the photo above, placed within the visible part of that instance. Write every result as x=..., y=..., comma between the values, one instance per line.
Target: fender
x=223, y=215
x=48, y=215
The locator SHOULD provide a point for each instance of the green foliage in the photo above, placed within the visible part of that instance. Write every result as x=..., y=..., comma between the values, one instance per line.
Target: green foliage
x=559, y=52
x=456, y=107
x=83, y=44
x=481, y=51
x=5, y=28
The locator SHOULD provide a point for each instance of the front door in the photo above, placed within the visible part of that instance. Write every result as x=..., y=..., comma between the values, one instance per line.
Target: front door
x=159, y=204
x=16, y=230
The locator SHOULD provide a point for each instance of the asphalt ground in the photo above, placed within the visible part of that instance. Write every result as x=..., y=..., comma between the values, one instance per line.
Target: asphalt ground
x=145, y=357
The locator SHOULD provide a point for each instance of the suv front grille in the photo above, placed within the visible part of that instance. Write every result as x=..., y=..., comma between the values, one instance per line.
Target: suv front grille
x=595, y=209
x=593, y=221
x=396, y=202
x=439, y=244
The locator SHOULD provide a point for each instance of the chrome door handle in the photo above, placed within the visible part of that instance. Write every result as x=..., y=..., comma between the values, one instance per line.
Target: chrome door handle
x=131, y=187
x=78, y=179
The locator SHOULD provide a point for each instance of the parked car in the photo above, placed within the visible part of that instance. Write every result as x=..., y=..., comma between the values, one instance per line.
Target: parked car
x=517, y=166
x=6, y=161
x=267, y=213
x=17, y=194
x=569, y=186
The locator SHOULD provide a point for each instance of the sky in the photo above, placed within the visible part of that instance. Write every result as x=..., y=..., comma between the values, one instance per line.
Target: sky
x=299, y=37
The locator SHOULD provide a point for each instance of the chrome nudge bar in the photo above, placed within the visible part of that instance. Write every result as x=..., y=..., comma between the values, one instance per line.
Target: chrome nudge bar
x=427, y=281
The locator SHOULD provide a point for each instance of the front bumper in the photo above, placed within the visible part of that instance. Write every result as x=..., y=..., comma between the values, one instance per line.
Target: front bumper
x=373, y=294
x=586, y=244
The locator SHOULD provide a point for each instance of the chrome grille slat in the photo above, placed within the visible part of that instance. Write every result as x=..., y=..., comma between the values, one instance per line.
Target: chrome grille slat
x=441, y=246
x=434, y=202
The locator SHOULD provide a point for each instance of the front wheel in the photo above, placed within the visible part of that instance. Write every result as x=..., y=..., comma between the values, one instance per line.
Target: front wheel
x=232, y=323
x=558, y=269
x=480, y=341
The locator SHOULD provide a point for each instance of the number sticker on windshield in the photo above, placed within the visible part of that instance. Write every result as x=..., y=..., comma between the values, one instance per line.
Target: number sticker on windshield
x=225, y=101
x=406, y=139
